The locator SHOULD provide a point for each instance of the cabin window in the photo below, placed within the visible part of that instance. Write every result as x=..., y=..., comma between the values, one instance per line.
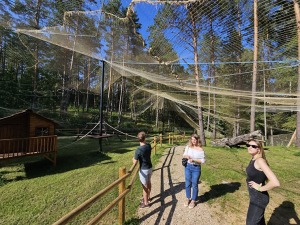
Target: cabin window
x=41, y=131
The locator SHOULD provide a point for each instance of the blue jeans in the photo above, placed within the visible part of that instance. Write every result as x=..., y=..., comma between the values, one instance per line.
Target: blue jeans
x=192, y=175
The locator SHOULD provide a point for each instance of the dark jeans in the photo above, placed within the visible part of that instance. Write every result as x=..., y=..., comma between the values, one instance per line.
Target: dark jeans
x=192, y=175
x=257, y=206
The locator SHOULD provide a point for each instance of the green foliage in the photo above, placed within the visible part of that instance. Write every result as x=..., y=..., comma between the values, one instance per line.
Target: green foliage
x=297, y=154
x=290, y=122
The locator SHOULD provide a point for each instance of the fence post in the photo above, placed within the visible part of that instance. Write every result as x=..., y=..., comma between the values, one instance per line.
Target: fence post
x=160, y=139
x=169, y=138
x=292, y=138
x=154, y=145
x=121, y=219
x=272, y=141
x=173, y=139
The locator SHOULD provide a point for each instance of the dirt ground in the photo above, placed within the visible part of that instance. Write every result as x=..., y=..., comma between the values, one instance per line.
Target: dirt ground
x=168, y=195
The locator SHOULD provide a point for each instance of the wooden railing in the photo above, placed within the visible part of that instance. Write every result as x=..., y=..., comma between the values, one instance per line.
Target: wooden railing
x=10, y=148
x=123, y=190
x=119, y=200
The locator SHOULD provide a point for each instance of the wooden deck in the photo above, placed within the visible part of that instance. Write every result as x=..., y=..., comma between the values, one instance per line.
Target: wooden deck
x=20, y=147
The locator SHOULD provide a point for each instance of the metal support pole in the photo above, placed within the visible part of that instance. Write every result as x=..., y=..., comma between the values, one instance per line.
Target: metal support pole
x=101, y=108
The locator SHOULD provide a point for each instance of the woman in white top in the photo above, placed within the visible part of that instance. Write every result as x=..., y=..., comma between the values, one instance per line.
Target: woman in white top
x=195, y=155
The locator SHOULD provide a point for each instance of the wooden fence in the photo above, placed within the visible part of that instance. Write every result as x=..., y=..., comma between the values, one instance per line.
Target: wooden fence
x=123, y=190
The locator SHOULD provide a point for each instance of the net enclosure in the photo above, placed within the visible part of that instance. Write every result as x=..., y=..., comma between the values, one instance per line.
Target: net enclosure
x=215, y=60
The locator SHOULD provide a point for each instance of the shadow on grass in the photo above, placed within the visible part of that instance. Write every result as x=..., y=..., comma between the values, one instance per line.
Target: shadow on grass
x=77, y=155
x=284, y=214
x=4, y=180
x=218, y=190
x=64, y=163
x=120, y=151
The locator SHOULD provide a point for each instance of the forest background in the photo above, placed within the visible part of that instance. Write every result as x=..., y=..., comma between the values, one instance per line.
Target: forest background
x=203, y=82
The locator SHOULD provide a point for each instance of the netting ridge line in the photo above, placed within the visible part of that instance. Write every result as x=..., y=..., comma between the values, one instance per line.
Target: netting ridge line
x=119, y=130
x=218, y=91
x=82, y=136
x=43, y=31
x=82, y=12
x=163, y=2
x=249, y=72
x=206, y=63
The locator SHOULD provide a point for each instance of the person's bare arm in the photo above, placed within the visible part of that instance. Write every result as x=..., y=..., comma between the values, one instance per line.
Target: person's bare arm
x=134, y=161
x=273, y=182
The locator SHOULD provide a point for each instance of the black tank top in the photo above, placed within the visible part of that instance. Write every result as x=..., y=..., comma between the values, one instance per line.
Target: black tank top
x=254, y=174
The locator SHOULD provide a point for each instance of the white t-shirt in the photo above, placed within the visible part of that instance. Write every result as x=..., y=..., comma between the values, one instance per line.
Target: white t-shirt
x=194, y=154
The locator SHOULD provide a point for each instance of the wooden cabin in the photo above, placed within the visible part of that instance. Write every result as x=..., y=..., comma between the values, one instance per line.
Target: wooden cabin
x=27, y=133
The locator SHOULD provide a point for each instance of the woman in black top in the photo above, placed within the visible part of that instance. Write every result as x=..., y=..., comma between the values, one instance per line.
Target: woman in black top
x=258, y=172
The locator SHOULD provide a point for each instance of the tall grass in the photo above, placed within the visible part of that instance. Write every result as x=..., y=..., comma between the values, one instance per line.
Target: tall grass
x=33, y=192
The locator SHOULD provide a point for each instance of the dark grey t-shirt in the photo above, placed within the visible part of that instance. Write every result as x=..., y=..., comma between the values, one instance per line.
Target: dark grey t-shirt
x=143, y=154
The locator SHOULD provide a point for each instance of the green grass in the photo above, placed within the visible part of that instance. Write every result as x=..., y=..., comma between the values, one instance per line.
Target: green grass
x=224, y=175
x=33, y=192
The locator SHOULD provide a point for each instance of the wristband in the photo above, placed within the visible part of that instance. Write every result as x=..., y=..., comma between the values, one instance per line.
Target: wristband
x=259, y=188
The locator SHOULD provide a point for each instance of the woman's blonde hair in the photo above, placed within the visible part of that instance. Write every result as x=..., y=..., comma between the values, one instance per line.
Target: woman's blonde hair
x=196, y=136
x=260, y=147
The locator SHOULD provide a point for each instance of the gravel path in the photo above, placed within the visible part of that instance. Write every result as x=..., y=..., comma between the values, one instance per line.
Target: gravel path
x=168, y=195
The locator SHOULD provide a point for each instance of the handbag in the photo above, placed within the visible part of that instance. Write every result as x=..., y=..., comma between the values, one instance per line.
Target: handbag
x=184, y=161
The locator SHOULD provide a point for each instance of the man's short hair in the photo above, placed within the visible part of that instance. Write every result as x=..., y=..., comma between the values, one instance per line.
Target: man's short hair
x=141, y=136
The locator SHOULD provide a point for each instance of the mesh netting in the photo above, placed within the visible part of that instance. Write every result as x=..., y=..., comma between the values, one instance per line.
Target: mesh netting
x=156, y=54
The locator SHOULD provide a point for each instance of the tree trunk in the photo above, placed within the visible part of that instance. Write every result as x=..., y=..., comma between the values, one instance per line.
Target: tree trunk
x=255, y=53
x=235, y=141
x=156, y=111
x=212, y=75
x=238, y=113
x=208, y=111
x=88, y=86
x=108, y=104
x=36, y=55
x=297, y=14
x=121, y=101
x=196, y=71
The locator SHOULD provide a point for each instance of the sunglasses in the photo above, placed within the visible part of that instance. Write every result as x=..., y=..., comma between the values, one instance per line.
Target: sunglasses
x=253, y=146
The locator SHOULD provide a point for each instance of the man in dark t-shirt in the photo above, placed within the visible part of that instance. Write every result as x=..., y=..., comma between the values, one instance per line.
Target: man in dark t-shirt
x=143, y=155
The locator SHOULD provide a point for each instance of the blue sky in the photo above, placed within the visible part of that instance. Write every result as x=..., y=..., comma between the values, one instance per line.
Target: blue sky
x=146, y=13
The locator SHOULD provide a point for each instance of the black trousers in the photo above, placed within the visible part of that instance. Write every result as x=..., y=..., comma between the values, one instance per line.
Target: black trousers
x=257, y=206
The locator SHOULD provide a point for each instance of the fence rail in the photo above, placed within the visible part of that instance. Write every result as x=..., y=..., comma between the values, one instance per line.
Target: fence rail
x=123, y=190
